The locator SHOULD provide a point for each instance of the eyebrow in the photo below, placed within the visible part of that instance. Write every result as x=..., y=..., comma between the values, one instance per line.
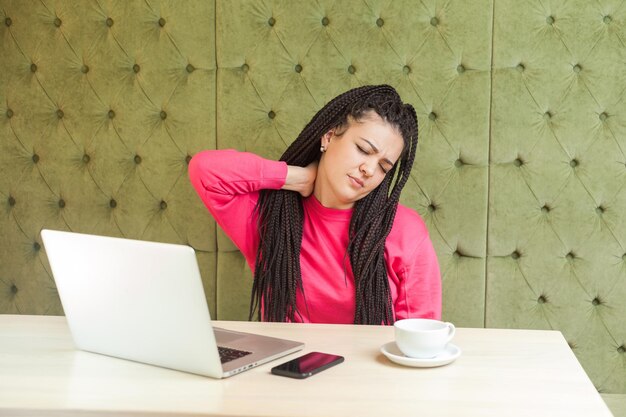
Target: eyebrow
x=375, y=149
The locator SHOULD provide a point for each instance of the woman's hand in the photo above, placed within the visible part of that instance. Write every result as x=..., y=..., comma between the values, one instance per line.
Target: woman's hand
x=301, y=179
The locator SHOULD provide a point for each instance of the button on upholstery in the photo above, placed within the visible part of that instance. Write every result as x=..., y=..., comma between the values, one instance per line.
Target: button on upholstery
x=621, y=349
x=520, y=67
x=161, y=22
x=550, y=20
x=57, y=22
x=542, y=299
x=112, y=203
x=8, y=22
x=60, y=114
x=325, y=21
x=163, y=115
x=109, y=22
x=547, y=115
x=434, y=21
x=460, y=69
x=459, y=163
x=190, y=68
x=271, y=114
x=573, y=163
x=11, y=201
x=577, y=68
x=351, y=69
x=61, y=203
x=33, y=67
x=35, y=158
x=406, y=69
x=603, y=116
x=36, y=246
x=86, y=158
x=545, y=209
x=14, y=289
x=600, y=210
x=136, y=68
x=380, y=22
x=137, y=159
x=9, y=113
x=516, y=255
x=111, y=114
x=163, y=205
x=188, y=159
x=432, y=207
x=607, y=19
x=245, y=67
x=84, y=69
x=298, y=68
x=432, y=116
x=570, y=256
x=271, y=21
x=596, y=301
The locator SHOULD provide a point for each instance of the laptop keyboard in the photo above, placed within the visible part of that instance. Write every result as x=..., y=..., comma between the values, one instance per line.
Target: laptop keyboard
x=228, y=354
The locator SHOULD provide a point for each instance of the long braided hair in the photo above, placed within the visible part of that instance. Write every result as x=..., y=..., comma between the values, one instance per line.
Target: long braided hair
x=277, y=274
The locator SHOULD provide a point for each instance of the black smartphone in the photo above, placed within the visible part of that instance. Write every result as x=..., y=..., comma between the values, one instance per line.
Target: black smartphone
x=307, y=365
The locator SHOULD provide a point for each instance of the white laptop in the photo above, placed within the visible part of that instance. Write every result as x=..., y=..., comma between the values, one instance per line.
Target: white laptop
x=144, y=301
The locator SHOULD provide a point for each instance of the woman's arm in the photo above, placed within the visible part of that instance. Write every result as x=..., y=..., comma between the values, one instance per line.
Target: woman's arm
x=220, y=173
x=228, y=183
x=414, y=267
x=301, y=179
x=420, y=292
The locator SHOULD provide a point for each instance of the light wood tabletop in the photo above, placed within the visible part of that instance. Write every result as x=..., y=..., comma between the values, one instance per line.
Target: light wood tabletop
x=499, y=373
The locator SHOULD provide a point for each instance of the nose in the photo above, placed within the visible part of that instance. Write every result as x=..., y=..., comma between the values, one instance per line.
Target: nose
x=367, y=169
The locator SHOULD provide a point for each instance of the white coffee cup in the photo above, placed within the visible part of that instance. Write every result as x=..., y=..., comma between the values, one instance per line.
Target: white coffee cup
x=423, y=338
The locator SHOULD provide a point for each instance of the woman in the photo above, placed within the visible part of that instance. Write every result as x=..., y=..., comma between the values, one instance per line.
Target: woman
x=322, y=228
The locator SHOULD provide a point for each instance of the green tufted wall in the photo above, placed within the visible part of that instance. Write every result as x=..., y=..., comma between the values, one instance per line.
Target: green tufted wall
x=557, y=202
x=520, y=174
x=101, y=105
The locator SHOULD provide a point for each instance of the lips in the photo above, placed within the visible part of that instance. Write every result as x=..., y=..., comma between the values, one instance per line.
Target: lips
x=356, y=181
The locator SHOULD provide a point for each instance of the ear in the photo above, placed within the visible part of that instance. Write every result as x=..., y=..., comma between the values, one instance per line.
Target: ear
x=326, y=138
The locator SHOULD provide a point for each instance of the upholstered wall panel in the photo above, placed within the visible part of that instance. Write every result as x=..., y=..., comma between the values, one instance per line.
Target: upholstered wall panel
x=558, y=173
x=101, y=106
x=279, y=62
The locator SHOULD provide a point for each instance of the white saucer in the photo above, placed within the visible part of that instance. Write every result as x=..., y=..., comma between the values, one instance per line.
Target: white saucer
x=391, y=351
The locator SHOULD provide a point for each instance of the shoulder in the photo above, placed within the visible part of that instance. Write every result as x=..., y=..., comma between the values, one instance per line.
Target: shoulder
x=408, y=218
x=408, y=228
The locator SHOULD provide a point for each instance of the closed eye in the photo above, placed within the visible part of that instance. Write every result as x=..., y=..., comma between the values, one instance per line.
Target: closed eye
x=363, y=151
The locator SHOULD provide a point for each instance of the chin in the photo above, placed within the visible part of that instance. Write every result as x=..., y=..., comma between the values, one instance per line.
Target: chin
x=353, y=199
x=349, y=196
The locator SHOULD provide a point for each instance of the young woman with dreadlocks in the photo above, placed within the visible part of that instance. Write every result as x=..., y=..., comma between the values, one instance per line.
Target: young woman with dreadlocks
x=322, y=228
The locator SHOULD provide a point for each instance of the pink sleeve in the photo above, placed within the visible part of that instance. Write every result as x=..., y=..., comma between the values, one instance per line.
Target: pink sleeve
x=228, y=183
x=420, y=292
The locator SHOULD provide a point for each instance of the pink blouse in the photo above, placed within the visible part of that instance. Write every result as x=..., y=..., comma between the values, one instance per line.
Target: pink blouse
x=228, y=182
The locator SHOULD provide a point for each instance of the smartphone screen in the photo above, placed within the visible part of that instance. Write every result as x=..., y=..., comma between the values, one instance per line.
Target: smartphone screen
x=307, y=365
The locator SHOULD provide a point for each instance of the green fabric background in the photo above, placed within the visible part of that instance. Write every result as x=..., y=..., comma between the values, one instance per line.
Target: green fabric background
x=519, y=176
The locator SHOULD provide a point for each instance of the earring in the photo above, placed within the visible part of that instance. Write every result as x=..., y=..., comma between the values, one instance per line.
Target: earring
x=322, y=149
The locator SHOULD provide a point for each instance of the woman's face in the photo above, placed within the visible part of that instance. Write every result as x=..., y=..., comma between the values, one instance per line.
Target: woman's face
x=355, y=163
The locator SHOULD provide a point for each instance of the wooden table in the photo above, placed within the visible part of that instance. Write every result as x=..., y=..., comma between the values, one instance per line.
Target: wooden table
x=500, y=373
